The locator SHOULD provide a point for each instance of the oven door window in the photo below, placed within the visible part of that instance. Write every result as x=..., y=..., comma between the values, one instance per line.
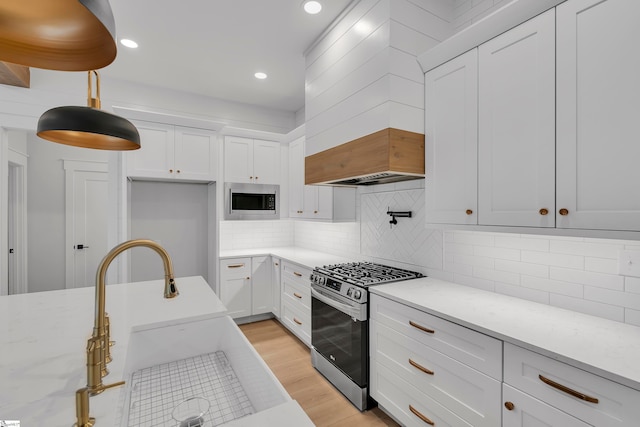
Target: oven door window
x=341, y=340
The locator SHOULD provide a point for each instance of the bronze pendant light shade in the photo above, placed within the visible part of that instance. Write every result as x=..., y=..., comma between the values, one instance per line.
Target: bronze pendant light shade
x=66, y=35
x=88, y=127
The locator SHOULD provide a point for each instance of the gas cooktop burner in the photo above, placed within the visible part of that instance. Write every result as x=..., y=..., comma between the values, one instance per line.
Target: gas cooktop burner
x=365, y=273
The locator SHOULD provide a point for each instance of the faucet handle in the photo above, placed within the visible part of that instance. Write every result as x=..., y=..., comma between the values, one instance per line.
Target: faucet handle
x=83, y=419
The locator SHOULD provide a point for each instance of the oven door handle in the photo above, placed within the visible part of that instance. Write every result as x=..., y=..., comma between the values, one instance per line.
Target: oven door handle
x=350, y=310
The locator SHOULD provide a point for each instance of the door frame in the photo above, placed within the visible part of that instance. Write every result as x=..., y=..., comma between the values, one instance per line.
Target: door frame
x=70, y=168
x=17, y=162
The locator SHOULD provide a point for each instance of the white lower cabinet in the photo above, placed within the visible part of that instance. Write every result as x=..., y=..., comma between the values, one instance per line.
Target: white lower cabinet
x=425, y=369
x=522, y=410
x=590, y=398
x=235, y=286
x=246, y=286
x=276, y=281
x=261, y=285
x=296, y=300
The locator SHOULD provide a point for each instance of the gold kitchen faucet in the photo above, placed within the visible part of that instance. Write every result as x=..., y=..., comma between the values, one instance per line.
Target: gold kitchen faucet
x=98, y=353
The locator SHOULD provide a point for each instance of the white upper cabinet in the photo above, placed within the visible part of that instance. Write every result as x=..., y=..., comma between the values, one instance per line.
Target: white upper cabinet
x=451, y=141
x=598, y=110
x=251, y=161
x=173, y=152
x=316, y=201
x=516, y=126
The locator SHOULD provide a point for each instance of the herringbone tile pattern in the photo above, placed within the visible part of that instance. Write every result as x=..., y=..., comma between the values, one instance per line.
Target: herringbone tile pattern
x=408, y=241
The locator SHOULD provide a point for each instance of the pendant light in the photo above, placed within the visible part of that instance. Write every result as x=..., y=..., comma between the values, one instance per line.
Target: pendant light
x=88, y=127
x=65, y=35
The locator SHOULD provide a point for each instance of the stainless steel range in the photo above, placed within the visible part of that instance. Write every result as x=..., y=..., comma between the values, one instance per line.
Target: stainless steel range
x=340, y=325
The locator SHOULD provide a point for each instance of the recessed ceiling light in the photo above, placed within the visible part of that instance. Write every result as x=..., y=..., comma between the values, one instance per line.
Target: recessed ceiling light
x=312, y=7
x=260, y=76
x=129, y=43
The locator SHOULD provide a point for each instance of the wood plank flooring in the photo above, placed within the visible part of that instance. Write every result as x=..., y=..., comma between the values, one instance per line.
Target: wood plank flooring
x=290, y=361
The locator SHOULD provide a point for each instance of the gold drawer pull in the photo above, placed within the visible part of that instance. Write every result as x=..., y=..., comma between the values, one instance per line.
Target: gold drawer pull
x=297, y=274
x=297, y=295
x=276, y=264
x=422, y=328
x=297, y=321
x=468, y=212
x=420, y=367
x=563, y=212
x=567, y=390
x=235, y=265
x=509, y=405
x=422, y=417
x=544, y=211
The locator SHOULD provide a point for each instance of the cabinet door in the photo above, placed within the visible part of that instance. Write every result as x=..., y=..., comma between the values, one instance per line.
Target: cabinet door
x=296, y=178
x=195, y=154
x=261, y=289
x=276, y=286
x=451, y=141
x=266, y=162
x=516, y=145
x=238, y=159
x=598, y=111
x=235, y=286
x=527, y=411
x=155, y=158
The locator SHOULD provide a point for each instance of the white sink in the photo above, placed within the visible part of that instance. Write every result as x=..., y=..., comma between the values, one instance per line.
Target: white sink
x=212, y=348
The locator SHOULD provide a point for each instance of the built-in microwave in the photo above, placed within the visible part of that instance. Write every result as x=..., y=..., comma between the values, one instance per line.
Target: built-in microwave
x=251, y=201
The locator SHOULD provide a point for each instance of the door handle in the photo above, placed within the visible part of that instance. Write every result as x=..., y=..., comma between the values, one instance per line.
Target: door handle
x=81, y=247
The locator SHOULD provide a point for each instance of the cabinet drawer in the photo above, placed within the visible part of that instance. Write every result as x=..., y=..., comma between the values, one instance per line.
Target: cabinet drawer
x=297, y=321
x=296, y=273
x=298, y=295
x=399, y=397
x=234, y=268
x=468, y=393
x=472, y=348
x=617, y=405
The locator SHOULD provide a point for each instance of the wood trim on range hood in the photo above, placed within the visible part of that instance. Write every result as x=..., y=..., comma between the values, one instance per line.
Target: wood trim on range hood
x=389, y=155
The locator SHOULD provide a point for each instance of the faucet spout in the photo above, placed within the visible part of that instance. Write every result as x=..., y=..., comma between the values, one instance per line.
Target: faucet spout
x=98, y=353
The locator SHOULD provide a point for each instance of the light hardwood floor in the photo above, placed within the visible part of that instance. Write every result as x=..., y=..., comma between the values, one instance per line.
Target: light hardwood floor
x=290, y=361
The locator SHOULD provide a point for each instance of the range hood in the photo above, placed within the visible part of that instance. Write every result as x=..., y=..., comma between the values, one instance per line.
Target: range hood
x=389, y=155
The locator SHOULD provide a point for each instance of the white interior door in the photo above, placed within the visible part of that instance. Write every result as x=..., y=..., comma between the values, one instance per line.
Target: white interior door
x=87, y=197
x=17, y=223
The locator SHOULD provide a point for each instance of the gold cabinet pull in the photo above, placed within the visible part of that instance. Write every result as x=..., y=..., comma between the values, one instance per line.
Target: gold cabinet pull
x=315, y=212
x=568, y=390
x=468, y=211
x=422, y=417
x=276, y=264
x=235, y=265
x=420, y=367
x=170, y=170
x=544, y=211
x=297, y=321
x=563, y=212
x=422, y=328
x=248, y=278
x=250, y=177
x=256, y=177
x=509, y=405
x=297, y=274
x=297, y=295
x=178, y=171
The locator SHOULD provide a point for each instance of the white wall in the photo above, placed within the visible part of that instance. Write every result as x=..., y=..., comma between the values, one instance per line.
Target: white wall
x=176, y=216
x=46, y=209
x=362, y=76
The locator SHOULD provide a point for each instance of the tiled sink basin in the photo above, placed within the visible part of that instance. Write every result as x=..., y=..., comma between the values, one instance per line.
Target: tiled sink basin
x=208, y=359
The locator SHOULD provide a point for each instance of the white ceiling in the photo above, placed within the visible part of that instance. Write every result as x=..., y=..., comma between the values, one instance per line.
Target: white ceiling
x=213, y=47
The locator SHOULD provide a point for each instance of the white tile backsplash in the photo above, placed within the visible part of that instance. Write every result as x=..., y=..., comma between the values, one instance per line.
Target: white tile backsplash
x=255, y=234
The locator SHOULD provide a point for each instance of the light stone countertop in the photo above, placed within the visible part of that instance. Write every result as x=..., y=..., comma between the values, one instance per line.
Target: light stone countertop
x=604, y=347
x=43, y=338
x=304, y=257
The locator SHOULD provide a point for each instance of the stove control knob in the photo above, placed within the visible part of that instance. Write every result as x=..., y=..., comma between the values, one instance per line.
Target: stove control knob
x=349, y=292
x=357, y=294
